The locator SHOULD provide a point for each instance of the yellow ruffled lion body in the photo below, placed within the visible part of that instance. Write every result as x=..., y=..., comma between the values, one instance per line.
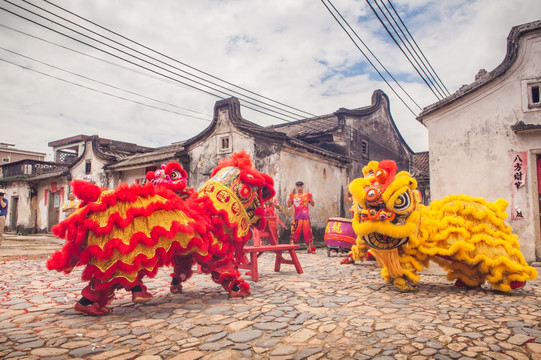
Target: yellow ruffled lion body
x=466, y=236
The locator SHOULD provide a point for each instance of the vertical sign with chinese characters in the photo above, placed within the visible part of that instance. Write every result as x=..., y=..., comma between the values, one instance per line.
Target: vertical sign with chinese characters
x=518, y=179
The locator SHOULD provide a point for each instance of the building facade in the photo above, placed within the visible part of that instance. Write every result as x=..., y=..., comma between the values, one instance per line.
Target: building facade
x=36, y=190
x=485, y=140
x=324, y=152
x=9, y=153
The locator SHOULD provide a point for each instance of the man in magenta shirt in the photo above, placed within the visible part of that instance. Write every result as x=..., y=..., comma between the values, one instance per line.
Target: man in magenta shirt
x=300, y=199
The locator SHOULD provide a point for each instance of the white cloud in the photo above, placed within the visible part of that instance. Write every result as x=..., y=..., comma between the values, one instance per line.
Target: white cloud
x=290, y=51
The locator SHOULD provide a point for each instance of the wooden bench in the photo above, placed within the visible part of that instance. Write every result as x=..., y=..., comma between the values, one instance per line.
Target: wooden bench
x=252, y=253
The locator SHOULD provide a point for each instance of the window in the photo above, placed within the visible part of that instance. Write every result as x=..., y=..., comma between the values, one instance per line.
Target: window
x=5, y=160
x=531, y=96
x=535, y=94
x=150, y=168
x=88, y=167
x=224, y=144
x=364, y=148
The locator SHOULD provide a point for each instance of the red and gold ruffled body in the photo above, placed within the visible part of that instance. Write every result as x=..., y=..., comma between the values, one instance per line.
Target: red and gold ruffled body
x=125, y=234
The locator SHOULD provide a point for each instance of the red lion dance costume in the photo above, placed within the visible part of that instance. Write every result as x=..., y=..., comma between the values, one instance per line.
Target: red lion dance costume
x=125, y=234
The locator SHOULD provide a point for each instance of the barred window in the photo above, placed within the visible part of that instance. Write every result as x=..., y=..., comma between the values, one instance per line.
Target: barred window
x=224, y=144
x=364, y=148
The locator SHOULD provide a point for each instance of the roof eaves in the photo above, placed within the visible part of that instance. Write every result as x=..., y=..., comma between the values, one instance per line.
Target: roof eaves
x=50, y=175
x=317, y=150
x=521, y=127
x=15, y=177
x=510, y=57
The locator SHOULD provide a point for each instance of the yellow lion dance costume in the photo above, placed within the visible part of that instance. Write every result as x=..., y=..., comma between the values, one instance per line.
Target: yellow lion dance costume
x=464, y=235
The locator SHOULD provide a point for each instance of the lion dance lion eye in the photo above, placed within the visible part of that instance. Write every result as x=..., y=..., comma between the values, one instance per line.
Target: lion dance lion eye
x=402, y=202
x=175, y=174
x=372, y=194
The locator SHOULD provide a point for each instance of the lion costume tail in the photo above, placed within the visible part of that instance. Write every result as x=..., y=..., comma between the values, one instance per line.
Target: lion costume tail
x=468, y=237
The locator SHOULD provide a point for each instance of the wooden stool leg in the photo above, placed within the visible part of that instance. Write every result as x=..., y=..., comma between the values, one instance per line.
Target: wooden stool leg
x=253, y=264
x=278, y=261
x=295, y=261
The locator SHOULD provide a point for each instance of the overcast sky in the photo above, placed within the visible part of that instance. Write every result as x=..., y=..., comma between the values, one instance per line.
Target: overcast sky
x=54, y=86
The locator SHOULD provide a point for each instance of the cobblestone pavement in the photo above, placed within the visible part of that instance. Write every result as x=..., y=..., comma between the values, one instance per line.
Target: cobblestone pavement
x=331, y=311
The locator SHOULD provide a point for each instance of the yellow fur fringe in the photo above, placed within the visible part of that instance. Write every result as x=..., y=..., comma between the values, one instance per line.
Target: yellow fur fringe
x=390, y=260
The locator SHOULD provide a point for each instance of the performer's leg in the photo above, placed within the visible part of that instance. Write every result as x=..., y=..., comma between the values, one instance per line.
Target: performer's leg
x=139, y=293
x=2, y=224
x=92, y=300
x=307, y=233
x=295, y=231
x=228, y=275
x=182, y=271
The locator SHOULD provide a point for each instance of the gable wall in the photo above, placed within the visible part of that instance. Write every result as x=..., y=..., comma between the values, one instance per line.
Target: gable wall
x=471, y=140
x=384, y=142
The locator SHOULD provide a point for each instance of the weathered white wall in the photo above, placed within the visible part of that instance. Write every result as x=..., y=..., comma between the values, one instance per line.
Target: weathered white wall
x=97, y=175
x=323, y=180
x=43, y=205
x=130, y=176
x=25, y=215
x=471, y=139
x=205, y=155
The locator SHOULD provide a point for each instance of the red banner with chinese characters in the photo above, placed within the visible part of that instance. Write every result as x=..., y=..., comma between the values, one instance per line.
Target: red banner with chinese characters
x=519, y=168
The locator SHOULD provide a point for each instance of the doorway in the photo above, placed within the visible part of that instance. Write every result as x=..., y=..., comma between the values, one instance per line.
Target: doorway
x=538, y=167
x=54, y=210
x=14, y=211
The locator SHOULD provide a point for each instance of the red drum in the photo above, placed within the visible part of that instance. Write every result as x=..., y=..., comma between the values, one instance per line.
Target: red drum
x=339, y=235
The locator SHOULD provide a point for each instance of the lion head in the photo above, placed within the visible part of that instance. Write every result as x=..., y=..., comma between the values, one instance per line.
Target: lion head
x=172, y=176
x=385, y=204
x=240, y=189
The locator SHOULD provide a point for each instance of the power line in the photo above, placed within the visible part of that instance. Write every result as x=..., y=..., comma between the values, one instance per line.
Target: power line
x=82, y=42
x=96, y=58
x=110, y=63
x=177, y=61
x=418, y=68
x=155, y=59
x=105, y=84
x=96, y=90
x=119, y=57
x=143, y=60
x=367, y=58
x=417, y=46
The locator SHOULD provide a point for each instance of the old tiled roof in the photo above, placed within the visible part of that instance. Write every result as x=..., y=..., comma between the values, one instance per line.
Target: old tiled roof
x=49, y=175
x=162, y=154
x=113, y=151
x=510, y=57
x=309, y=127
x=329, y=123
x=421, y=165
x=267, y=133
x=233, y=106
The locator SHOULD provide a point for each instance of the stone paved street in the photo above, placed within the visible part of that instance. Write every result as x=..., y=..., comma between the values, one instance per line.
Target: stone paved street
x=331, y=311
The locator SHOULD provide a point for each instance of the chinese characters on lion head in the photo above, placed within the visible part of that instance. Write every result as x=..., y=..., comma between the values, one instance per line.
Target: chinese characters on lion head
x=121, y=236
x=466, y=236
